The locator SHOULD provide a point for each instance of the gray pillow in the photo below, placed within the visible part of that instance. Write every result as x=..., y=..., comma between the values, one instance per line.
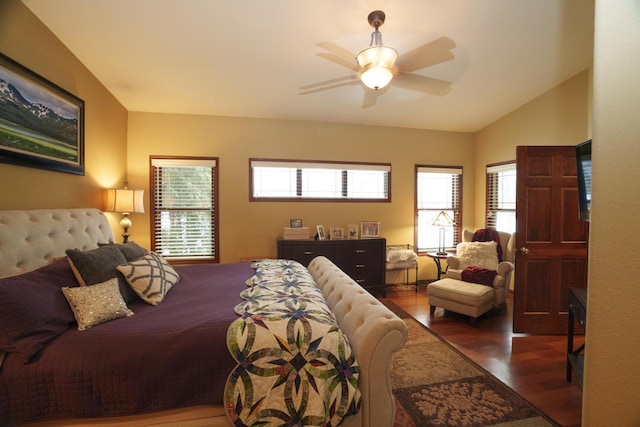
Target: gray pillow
x=99, y=265
x=131, y=250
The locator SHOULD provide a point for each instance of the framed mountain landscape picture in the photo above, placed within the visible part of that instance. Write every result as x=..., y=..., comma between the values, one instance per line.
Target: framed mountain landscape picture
x=41, y=124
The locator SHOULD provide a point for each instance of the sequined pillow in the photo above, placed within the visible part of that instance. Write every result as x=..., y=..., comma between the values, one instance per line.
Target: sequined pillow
x=150, y=276
x=96, y=304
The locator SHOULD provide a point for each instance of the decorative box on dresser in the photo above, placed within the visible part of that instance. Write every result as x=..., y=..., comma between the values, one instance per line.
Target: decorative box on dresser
x=362, y=259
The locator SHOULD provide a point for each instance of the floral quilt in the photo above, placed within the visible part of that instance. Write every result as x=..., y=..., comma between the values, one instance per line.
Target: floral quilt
x=295, y=366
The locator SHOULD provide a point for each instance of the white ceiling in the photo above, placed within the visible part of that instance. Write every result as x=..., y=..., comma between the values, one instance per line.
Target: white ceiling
x=251, y=58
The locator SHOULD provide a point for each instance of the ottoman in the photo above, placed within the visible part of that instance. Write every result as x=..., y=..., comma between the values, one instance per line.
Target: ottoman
x=461, y=297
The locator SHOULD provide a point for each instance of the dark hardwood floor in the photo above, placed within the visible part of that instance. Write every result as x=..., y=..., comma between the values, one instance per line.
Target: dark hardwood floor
x=534, y=366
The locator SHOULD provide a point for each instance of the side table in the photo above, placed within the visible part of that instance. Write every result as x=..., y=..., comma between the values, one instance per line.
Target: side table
x=436, y=258
x=577, y=312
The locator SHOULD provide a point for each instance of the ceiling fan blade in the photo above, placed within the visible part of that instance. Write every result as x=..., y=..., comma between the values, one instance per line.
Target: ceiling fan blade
x=371, y=96
x=338, y=51
x=435, y=52
x=329, y=84
x=352, y=65
x=422, y=84
x=369, y=99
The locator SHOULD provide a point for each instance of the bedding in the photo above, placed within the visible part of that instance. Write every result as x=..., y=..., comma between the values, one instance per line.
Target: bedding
x=295, y=365
x=170, y=356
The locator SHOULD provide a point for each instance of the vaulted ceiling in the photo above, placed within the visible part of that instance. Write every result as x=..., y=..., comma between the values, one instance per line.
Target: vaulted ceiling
x=266, y=59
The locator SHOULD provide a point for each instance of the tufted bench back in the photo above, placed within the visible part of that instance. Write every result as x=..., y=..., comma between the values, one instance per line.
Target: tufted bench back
x=374, y=332
x=30, y=239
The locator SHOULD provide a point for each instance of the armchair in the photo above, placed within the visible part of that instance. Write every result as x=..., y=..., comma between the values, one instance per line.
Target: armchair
x=469, y=296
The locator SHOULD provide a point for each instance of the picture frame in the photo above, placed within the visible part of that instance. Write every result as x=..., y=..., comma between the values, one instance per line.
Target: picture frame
x=295, y=223
x=336, y=233
x=53, y=138
x=369, y=229
x=321, y=235
x=352, y=231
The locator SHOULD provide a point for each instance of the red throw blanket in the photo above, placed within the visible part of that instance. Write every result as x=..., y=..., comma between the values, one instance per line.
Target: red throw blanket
x=478, y=275
x=488, y=235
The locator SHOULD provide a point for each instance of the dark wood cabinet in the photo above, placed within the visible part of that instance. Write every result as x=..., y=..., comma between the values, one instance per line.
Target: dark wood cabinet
x=362, y=259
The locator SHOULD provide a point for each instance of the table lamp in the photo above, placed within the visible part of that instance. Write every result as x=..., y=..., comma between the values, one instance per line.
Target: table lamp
x=442, y=220
x=125, y=201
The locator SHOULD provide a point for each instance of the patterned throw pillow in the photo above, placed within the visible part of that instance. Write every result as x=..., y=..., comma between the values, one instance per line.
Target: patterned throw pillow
x=150, y=276
x=96, y=304
x=478, y=254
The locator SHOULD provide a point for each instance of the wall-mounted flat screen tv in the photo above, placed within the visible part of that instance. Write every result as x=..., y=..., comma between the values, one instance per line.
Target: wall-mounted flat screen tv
x=583, y=159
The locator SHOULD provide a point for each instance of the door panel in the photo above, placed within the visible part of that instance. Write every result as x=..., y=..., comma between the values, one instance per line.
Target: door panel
x=550, y=238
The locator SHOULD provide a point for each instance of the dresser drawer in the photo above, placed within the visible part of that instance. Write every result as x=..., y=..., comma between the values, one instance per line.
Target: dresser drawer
x=304, y=251
x=362, y=259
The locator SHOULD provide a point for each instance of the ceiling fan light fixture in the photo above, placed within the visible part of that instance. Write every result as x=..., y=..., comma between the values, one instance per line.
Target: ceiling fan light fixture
x=377, y=60
x=376, y=77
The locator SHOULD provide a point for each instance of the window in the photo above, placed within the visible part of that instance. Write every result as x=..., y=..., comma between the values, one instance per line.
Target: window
x=501, y=197
x=288, y=180
x=184, y=208
x=438, y=189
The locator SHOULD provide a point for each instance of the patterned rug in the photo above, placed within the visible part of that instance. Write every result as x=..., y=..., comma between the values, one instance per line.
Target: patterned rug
x=436, y=385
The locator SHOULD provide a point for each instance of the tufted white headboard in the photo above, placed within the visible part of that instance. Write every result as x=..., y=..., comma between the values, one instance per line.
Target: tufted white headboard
x=31, y=239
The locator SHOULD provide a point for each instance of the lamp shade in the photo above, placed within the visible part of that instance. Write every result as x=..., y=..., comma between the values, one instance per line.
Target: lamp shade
x=125, y=200
x=443, y=220
x=377, y=65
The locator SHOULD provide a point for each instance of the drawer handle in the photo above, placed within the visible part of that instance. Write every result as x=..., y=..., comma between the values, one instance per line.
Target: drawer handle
x=359, y=265
x=308, y=252
x=360, y=280
x=582, y=323
x=360, y=251
x=572, y=306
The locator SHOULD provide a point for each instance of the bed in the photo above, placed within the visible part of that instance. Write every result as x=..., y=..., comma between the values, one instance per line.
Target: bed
x=162, y=364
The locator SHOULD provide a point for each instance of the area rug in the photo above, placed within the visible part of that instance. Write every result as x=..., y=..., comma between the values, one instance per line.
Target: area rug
x=436, y=385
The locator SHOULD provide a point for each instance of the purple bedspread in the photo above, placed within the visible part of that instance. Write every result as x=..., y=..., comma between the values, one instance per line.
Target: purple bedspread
x=163, y=357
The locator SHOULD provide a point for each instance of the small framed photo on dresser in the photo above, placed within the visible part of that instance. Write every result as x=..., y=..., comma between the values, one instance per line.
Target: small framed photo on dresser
x=295, y=223
x=320, y=235
x=369, y=229
x=352, y=231
x=336, y=233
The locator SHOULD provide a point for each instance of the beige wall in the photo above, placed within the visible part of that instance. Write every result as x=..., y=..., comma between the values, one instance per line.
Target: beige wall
x=251, y=228
x=26, y=40
x=557, y=117
x=612, y=373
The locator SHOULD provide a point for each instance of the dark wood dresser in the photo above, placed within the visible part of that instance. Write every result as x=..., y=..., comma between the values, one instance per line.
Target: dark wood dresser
x=362, y=259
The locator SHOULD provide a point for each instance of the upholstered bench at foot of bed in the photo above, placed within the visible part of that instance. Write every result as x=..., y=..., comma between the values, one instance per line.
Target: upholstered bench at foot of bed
x=374, y=332
x=470, y=298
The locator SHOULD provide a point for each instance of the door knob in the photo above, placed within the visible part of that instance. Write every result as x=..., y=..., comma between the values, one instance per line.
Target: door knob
x=524, y=250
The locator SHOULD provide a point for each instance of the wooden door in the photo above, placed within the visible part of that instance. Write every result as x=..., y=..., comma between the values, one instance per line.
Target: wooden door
x=551, y=241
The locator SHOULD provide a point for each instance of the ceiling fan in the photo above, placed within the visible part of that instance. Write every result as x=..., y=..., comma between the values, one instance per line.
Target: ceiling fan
x=378, y=67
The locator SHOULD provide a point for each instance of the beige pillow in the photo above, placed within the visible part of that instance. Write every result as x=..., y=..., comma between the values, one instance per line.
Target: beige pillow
x=478, y=254
x=96, y=304
x=150, y=276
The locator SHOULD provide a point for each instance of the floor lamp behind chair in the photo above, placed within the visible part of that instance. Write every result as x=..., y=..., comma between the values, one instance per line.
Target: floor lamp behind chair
x=125, y=201
x=442, y=220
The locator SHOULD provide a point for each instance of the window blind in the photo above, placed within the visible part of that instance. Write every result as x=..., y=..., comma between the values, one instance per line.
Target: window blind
x=501, y=197
x=294, y=180
x=437, y=189
x=184, y=208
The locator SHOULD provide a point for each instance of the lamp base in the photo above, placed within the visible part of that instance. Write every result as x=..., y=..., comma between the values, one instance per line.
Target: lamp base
x=125, y=223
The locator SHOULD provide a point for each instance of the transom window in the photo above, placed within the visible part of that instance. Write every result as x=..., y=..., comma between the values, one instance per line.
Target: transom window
x=279, y=180
x=438, y=189
x=184, y=215
x=501, y=197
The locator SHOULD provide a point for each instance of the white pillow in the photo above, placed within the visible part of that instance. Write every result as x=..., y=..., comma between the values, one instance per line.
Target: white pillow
x=478, y=254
